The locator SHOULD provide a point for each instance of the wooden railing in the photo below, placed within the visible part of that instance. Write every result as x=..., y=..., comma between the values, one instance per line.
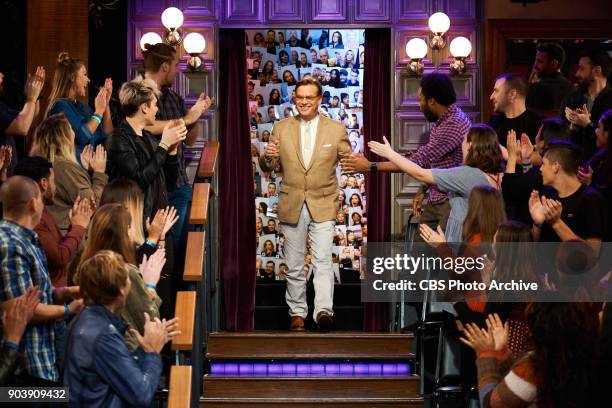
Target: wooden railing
x=198, y=314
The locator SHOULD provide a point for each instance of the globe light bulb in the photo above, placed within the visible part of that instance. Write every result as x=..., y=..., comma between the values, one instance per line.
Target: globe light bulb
x=149, y=38
x=439, y=23
x=460, y=47
x=172, y=18
x=416, y=48
x=194, y=43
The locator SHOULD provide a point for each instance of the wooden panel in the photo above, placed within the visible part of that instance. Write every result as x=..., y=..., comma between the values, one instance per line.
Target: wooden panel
x=51, y=29
x=406, y=90
x=309, y=345
x=407, y=10
x=405, y=185
x=194, y=258
x=194, y=83
x=179, y=395
x=329, y=10
x=199, y=204
x=199, y=8
x=466, y=88
x=208, y=160
x=242, y=11
x=371, y=10
x=286, y=11
x=411, y=131
x=457, y=9
x=185, y=310
x=148, y=7
x=304, y=387
x=402, y=210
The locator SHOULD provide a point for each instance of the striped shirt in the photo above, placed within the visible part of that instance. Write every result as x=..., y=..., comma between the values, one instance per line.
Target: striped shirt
x=23, y=265
x=443, y=150
x=172, y=106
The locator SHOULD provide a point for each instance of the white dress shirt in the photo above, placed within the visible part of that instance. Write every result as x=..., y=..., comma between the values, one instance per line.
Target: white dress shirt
x=308, y=148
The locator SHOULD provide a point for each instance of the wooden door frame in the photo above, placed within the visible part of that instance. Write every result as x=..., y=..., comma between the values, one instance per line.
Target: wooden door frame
x=499, y=31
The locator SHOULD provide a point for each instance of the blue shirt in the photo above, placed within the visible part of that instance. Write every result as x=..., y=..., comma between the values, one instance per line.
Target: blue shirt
x=78, y=114
x=22, y=265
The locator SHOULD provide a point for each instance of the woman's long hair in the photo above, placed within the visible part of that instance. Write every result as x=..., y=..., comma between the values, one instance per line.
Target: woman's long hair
x=485, y=213
x=52, y=139
x=64, y=77
x=109, y=229
x=565, y=337
x=126, y=192
x=484, y=153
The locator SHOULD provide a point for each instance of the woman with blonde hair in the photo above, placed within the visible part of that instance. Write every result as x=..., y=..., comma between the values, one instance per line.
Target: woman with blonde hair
x=109, y=230
x=54, y=140
x=91, y=126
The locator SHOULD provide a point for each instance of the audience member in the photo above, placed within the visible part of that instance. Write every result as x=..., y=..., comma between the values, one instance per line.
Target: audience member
x=100, y=369
x=443, y=150
x=54, y=140
x=59, y=250
x=70, y=81
x=568, y=210
x=23, y=266
x=14, y=123
x=547, y=85
x=595, y=172
x=14, y=322
x=160, y=66
x=583, y=107
x=482, y=159
x=508, y=99
x=558, y=371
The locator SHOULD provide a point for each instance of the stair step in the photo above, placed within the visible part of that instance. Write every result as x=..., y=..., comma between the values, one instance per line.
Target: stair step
x=277, y=318
x=296, y=387
x=310, y=402
x=310, y=345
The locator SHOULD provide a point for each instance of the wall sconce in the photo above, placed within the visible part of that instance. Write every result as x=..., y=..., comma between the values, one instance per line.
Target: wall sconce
x=439, y=23
x=194, y=44
x=416, y=49
x=460, y=48
x=149, y=38
x=172, y=19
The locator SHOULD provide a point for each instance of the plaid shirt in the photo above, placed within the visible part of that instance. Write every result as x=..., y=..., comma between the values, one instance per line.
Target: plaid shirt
x=172, y=106
x=23, y=265
x=443, y=150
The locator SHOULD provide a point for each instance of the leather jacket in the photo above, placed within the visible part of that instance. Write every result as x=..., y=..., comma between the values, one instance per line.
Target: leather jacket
x=100, y=371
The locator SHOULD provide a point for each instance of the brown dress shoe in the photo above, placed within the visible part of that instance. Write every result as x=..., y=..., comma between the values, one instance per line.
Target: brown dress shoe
x=325, y=322
x=297, y=323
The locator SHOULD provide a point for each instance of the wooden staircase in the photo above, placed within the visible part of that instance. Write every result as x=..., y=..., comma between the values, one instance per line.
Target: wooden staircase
x=342, y=369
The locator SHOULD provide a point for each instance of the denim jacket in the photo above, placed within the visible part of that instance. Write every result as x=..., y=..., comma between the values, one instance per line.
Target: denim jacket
x=100, y=371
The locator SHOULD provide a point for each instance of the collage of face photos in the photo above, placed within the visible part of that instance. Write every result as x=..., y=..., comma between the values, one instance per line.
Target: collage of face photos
x=277, y=59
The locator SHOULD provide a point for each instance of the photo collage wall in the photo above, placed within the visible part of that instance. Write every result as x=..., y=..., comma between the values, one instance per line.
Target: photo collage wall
x=277, y=60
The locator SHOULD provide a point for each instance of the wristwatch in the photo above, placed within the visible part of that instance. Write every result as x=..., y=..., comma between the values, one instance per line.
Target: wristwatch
x=373, y=167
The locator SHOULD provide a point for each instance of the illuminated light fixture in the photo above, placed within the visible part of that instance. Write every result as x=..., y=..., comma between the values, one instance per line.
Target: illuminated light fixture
x=416, y=50
x=194, y=44
x=460, y=49
x=172, y=19
x=149, y=38
x=439, y=23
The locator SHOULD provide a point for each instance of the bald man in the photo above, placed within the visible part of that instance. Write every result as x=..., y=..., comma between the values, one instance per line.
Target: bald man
x=23, y=266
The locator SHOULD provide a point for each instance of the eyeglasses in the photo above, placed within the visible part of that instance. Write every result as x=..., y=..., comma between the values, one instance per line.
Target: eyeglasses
x=306, y=98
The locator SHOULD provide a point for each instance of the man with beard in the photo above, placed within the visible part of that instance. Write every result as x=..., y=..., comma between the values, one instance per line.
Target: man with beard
x=443, y=150
x=583, y=107
x=58, y=250
x=17, y=123
x=508, y=99
x=547, y=85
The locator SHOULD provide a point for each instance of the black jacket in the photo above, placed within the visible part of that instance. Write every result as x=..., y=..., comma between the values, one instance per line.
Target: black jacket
x=9, y=359
x=142, y=160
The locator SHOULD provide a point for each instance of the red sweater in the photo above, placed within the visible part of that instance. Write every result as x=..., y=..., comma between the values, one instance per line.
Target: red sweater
x=59, y=250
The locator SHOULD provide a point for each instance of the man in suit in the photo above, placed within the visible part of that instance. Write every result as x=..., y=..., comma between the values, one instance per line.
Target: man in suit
x=309, y=147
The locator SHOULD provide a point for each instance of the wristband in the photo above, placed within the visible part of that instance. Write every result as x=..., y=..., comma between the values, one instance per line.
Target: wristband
x=539, y=226
x=151, y=243
x=163, y=146
x=67, y=312
x=373, y=167
x=11, y=345
x=150, y=286
x=96, y=117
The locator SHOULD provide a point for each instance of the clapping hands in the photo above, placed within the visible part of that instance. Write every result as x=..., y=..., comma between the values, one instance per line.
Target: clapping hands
x=495, y=338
